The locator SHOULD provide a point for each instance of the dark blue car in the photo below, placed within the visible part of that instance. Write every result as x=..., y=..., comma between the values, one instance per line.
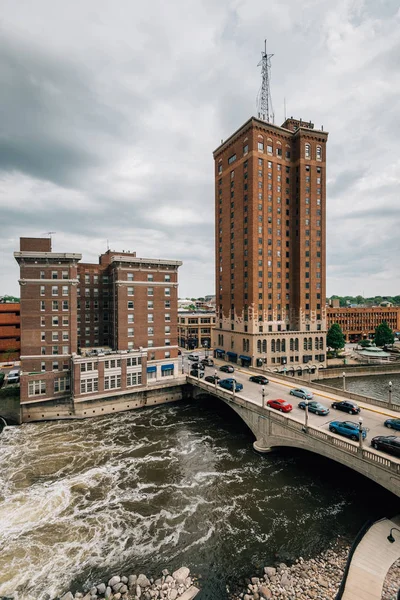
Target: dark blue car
x=392, y=424
x=348, y=429
x=227, y=384
x=314, y=407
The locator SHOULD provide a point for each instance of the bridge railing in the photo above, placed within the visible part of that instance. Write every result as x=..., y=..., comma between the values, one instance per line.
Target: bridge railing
x=352, y=448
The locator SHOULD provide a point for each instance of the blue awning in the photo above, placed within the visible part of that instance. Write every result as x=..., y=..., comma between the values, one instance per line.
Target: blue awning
x=231, y=354
x=220, y=351
x=167, y=367
x=245, y=357
x=151, y=369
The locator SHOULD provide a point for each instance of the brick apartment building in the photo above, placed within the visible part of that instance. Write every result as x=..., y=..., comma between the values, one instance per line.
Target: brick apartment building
x=194, y=329
x=10, y=332
x=358, y=323
x=270, y=244
x=89, y=330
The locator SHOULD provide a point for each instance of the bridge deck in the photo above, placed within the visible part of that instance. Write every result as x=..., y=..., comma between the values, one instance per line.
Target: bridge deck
x=371, y=561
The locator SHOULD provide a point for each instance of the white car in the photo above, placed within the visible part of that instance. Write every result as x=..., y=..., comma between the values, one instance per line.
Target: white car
x=13, y=377
x=193, y=357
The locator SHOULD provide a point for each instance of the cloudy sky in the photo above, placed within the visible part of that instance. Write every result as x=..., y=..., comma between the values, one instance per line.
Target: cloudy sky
x=110, y=111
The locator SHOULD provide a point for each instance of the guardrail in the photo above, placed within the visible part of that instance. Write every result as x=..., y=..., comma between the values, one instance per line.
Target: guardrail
x=331, y=439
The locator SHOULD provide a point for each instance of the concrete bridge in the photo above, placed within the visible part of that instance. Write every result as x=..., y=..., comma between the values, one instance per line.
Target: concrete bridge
x=272, y=429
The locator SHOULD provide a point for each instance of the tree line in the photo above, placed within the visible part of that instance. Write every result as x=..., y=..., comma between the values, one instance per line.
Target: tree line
x=373, y=301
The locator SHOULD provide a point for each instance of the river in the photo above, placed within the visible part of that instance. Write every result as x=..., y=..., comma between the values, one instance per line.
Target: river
x=160, y=488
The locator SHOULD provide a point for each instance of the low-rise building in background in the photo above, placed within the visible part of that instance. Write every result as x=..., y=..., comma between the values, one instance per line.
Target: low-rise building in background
x=359, y=323
x=10, y=331
x=195, y=328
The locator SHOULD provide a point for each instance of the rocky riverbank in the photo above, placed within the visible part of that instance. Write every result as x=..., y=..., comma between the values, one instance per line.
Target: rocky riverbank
x=315, y=579
x=178, y=586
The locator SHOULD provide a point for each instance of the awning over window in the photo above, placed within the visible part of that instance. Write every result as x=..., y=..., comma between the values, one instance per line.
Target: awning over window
x=151, y=369
x=167, y=367
x=245, y=357
x=232, y=354
x=220, y=351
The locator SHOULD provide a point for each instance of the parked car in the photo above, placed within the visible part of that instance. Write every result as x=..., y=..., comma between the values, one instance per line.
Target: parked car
x=207, y=362
x=348, y=429
x=198, y=365
x=392, y=424
x=193, y=357
x=281, y=405
x=259, y=379
x=301, y=393
x=350, y=407
x=227, y=369
x=227, y=384
x=212, y=378
x=314, y=407
x=13, y=377
x=197, y=373
x=387, y=443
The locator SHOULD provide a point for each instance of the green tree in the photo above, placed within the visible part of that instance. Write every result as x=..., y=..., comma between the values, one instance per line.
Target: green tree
x=335, y=338
x=383, y=335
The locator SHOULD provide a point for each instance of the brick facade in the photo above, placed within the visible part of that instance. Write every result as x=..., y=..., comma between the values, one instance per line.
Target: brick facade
x=270, y=244
x=359, y=323
x=71, y=312
x=10, y=331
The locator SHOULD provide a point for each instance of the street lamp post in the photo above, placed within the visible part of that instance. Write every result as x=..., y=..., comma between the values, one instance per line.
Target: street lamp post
x=215, y=378
x=233, y=389
x=344, y=381
x=205, y=348
x=306, y=416
x=390, y=393
x=360, y=437
x=263, y=396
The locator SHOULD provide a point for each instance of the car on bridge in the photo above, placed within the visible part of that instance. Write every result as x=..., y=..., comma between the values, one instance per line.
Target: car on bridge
x=212, y=378
x=227, y=369
x=194, y=357
x=197, y=373
x=207, y=362
x=281, y=405
x=198, y=365
x=350, y=407
x=314, y=407
x=392, y=424
x=259, y=379
x=348, y=429
x=228, y=384
x=387, y=443
x=301, y=393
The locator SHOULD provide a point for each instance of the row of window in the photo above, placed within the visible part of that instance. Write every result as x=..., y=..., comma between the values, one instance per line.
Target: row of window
x=55, y=305
x=55, y=275
x=38, y=388
x=55, y=350
x=55, y=335
x=150, y=291
x=55, y=290
x=55, y=321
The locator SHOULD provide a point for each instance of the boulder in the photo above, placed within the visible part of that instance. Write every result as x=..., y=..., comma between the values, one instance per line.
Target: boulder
x=101, y=588
x=169, y=579
x=165, y=572
x=108, y=593
x=143, y=581
x=322, y=582
x=67, y=596
x=124, y=580
x=114, y=580
x=181, y=574
x=285, y=580
x=265, y=592
x=132, y=579
x=138, y=591
x=255, y=580
x=270, y=571
x=173, y=594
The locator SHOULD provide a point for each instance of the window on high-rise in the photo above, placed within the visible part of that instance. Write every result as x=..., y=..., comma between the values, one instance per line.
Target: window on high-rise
x=307, y=151
x=260, y=146
x=319, y=153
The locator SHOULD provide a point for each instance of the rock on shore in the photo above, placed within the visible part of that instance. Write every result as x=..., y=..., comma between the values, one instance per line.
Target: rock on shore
x=315, y=579
x=139, y=587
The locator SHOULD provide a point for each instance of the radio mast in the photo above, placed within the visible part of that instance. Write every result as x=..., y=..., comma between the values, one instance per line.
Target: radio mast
x=264, y=100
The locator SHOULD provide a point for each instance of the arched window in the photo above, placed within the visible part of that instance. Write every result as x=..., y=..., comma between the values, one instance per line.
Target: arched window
x=259, y=346
x=305, y=344
x=309, y=343
x=244, y=345
x=291, y=344
x=296, y=344
x=321, y=343
x=272, y=345
x=283, y=346
x=278, y=345
x=247, y=345
x=307, y=151
x=316, y=343
x=319, y=153
x=264, y=346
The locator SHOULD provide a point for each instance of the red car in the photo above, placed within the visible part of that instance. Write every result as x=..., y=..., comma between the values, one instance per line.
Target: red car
x=281, y=405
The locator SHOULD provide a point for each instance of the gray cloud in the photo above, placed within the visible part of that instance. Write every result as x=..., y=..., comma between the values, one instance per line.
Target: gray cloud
x=109, y=119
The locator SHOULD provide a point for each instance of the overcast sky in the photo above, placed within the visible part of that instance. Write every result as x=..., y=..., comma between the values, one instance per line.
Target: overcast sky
x=110, y=111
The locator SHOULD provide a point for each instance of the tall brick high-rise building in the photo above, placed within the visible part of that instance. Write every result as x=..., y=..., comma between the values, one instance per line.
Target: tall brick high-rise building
x=270, y=244
x=90, y=330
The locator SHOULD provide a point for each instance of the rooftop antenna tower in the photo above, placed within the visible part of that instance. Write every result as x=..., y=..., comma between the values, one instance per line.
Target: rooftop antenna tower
x=264, y=100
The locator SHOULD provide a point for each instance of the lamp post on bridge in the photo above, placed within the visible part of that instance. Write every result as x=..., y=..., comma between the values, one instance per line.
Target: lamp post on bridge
x=390, y=394
x=344, y=381
x=306, y=416
x=215, y=379
x=263, y=396
x=360, y=431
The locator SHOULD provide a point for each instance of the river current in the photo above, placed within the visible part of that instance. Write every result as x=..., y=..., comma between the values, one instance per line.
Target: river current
x=161, y=488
